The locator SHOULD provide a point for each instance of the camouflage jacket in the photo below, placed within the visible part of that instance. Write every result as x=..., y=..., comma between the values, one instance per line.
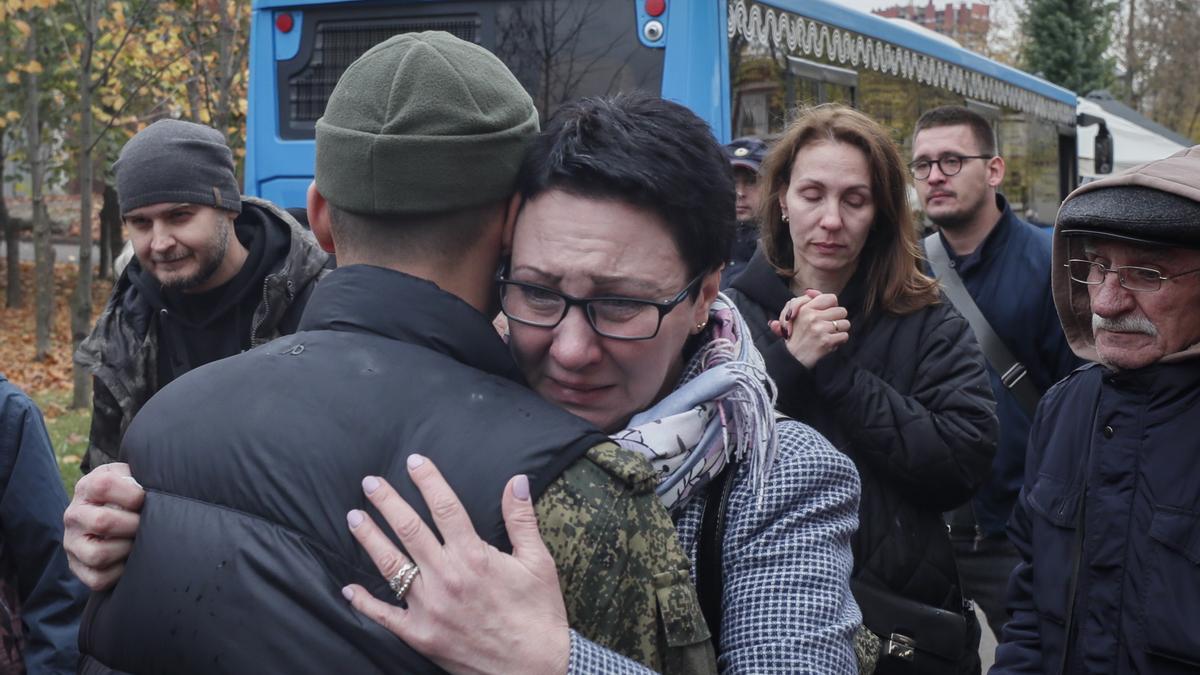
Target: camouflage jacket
x=644, y=606
x=121, y=352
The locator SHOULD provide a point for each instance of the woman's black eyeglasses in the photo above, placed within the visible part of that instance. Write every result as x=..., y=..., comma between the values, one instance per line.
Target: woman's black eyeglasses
x=618, y=318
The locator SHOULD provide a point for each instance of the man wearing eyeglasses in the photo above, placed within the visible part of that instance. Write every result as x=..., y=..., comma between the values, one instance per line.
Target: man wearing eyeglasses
x=1004, y=265
x=1108, y=521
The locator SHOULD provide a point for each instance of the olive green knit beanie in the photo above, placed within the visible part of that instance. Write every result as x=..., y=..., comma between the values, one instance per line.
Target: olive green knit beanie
x=423, y=123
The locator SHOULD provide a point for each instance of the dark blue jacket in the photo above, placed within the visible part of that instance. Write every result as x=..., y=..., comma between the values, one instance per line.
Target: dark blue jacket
x=1127, y=443
x=32, y=501
x=1008, y=275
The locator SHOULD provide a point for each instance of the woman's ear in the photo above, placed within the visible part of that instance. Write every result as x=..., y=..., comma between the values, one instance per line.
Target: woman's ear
x=709, y=287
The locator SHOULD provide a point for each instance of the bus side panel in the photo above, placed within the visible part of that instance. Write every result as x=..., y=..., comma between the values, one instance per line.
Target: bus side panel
x=262, y=126
x=696, y=67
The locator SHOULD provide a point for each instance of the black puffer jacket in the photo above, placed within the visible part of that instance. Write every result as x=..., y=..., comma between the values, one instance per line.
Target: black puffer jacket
x=908, y=399
x=251, y=462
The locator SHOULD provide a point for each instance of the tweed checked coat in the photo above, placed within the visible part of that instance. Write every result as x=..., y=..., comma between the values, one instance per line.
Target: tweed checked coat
x=786, y=605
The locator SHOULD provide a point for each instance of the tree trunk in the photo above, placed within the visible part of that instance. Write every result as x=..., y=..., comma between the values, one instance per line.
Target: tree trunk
x=81, y=312
x=43, y=251
x=110, y=223
x=1131, y=56
x=12, y=297
x=104, y=265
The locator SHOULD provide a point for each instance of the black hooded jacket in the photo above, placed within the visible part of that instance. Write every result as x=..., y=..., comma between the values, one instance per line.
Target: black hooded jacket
x=908, y=399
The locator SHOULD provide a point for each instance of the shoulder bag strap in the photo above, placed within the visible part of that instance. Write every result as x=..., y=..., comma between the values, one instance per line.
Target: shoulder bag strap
x=1012, y=372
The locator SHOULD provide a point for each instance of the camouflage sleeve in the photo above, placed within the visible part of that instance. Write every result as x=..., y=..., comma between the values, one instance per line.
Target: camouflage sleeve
x=104, y=440
x=623, y=572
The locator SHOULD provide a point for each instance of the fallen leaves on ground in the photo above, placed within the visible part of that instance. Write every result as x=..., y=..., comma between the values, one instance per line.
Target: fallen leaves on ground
x=18, y=330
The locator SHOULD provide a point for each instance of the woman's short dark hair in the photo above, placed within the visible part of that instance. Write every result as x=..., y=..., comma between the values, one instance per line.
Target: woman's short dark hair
x=647, y=152
x=892, y=256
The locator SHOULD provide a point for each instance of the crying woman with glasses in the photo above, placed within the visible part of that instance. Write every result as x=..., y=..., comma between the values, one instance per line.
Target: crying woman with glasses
x=612, y=303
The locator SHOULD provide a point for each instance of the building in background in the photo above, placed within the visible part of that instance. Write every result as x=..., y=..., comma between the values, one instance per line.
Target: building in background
x=968, y=24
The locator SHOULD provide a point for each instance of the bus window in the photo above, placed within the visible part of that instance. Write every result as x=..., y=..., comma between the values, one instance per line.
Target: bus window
x=780, y=58
x=558, y=50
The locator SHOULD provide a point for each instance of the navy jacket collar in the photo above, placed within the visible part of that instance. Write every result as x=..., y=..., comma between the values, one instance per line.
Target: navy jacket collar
x=992, y=245
x=1163, y=381
x=398, y=306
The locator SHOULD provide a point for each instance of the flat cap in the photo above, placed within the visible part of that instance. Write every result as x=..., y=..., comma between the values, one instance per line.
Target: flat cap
x=1133, y=213
x=1156, y=203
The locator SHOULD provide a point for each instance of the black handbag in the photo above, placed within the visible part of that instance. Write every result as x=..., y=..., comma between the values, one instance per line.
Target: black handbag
x=929, y=640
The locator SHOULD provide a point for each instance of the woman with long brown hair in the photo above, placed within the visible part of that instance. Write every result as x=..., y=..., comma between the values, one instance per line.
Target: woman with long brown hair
x=864, y=350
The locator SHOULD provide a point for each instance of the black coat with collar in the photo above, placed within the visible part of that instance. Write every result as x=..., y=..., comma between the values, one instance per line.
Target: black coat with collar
x=907, y=398
x=251, y=463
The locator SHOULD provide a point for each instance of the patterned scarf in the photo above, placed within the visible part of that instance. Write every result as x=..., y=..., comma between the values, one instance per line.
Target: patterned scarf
x=722, y=408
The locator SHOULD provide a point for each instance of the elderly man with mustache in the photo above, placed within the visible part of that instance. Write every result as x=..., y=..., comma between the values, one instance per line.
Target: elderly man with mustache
x=1108, y=520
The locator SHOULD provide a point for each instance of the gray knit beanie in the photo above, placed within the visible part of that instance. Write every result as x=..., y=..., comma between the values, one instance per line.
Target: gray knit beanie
x=423, y=123
x=176, y=161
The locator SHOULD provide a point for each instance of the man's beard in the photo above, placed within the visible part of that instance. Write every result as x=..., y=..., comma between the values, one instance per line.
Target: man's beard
x=208, y=267
x=959, y=219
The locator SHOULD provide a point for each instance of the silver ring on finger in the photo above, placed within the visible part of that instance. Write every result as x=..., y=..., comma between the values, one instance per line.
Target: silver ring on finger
x=402, y=580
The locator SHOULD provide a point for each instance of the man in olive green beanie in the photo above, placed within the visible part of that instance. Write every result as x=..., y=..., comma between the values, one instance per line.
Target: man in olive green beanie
x=417, y=157
x=423, y=123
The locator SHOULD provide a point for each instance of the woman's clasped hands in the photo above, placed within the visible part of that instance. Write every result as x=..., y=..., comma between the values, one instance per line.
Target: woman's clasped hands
x=471, y=608
x=812, y=325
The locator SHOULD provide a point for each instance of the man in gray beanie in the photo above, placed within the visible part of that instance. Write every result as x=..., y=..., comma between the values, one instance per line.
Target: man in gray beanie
x=1108, y=521
x=215, y=274
x=241, y=552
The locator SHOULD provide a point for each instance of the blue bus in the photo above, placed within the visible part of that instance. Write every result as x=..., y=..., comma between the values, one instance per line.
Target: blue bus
x=742, y=65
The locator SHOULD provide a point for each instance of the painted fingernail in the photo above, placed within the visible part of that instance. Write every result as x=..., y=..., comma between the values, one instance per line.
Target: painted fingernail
x=347, y=592
x=370, y=484
x=521, y=488
x=355, y=518
x=415, y=460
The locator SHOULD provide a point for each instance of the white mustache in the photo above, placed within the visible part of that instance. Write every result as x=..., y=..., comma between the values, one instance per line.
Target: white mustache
x=1126, y=324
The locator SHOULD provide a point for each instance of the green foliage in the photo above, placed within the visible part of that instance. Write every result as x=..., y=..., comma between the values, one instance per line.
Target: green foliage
x=1067, y=41
x=68, y=433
